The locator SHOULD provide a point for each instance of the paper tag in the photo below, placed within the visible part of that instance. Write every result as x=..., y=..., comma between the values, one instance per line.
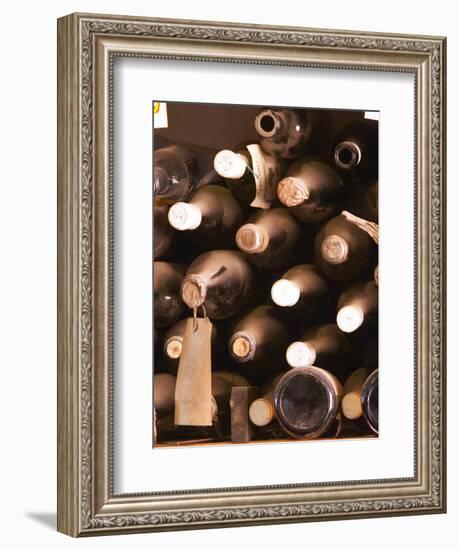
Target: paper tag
x=267, y=172
x=193, y=391
x=160, y=115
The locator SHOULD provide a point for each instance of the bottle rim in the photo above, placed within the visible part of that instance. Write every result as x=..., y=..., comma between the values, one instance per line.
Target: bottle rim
x=347, y=155
x=244, y=344
x=267, y=123
x=332, y=390
x=258, y=238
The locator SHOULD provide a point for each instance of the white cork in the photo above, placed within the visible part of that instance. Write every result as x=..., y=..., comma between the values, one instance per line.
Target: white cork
x=300, y=354
x=184, y=216
x=350, y=318
x=285, y=293
x=229, y=164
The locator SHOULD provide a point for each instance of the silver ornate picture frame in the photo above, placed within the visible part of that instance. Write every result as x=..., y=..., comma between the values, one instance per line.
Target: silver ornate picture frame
x=87, y=46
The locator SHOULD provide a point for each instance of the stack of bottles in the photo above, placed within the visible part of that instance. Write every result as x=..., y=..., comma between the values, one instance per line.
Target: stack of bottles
x=275, y=242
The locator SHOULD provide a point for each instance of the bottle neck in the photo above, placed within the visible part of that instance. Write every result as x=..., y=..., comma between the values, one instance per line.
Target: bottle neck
x=269, y=123
x=194, y=290
x=350, y=318
x=185, y=216
x=301, y=354
x=252, y=238
x=335, y=249
x=292, y=191
x=285, y=293
x=173, y=347
x=231, y=165
x=261, y=411
x=242, y=346
x=347, y=155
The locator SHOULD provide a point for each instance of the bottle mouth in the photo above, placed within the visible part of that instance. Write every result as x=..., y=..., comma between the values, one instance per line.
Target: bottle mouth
x=193, y=291
x=351, y=405
x=261, y=412
x=285, y=293
x=292, y=191
x=242, y=346
x=173, y=347
x=267, y=123
x=369, y=400
x=350, y=318
x=347, y=155
x=229, y=164
x=300, y=354
x=306, y=401
x=184, y=216
x=251, y=239
x=334, y=249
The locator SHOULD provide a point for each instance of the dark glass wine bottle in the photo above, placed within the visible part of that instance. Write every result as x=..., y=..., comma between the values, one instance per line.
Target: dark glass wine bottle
x=251, y=174
x=168, y=306
x=303, y=289
x=180, y=169
x=259, y=341
x=357, y=307
x=269, y=238
x=355, y=151
x=343, y=251
x=307, y=401
x=173, y=345
x=311, y=190
x=212, y=213
x=322, y=346
x=221, y=281
x=288, y=133
x=163, y=232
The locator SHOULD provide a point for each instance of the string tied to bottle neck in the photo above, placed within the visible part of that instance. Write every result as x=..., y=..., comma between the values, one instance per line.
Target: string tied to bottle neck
x=195, y=324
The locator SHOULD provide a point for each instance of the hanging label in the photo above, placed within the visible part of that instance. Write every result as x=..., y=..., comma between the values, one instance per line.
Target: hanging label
x=193, y=392
x=267, y=171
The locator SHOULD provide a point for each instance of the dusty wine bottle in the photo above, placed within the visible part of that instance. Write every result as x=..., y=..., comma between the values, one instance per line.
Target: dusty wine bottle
x=343, y=251
x=288, y=133
x=311, y=190
x=212, y=212
x=369, y=400
x=168, y=306
x=303, y=288
x=323, y=346
x=259, y=341
x=173, y=345
x=355, y=151
x=163, y=393
x=351, y=401
x=262, y=410
x=269, y=238
x=357, y=307
x=307, y=401
x=251, y=174
x=163, y=232
x=180, y=169
x=221, y=281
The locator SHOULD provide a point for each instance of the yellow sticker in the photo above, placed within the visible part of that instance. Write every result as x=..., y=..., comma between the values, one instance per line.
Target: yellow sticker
x=160, y=114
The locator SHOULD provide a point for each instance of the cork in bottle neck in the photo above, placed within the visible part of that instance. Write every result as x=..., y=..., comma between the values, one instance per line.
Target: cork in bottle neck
x=261, y=412
x=334, y=249
x=292, y=191
x=251, y=238
x=242, y=346
x=193, y=290
x=351, y=405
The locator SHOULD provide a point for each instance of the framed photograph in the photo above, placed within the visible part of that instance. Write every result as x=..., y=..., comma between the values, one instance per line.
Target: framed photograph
x=251, y=291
